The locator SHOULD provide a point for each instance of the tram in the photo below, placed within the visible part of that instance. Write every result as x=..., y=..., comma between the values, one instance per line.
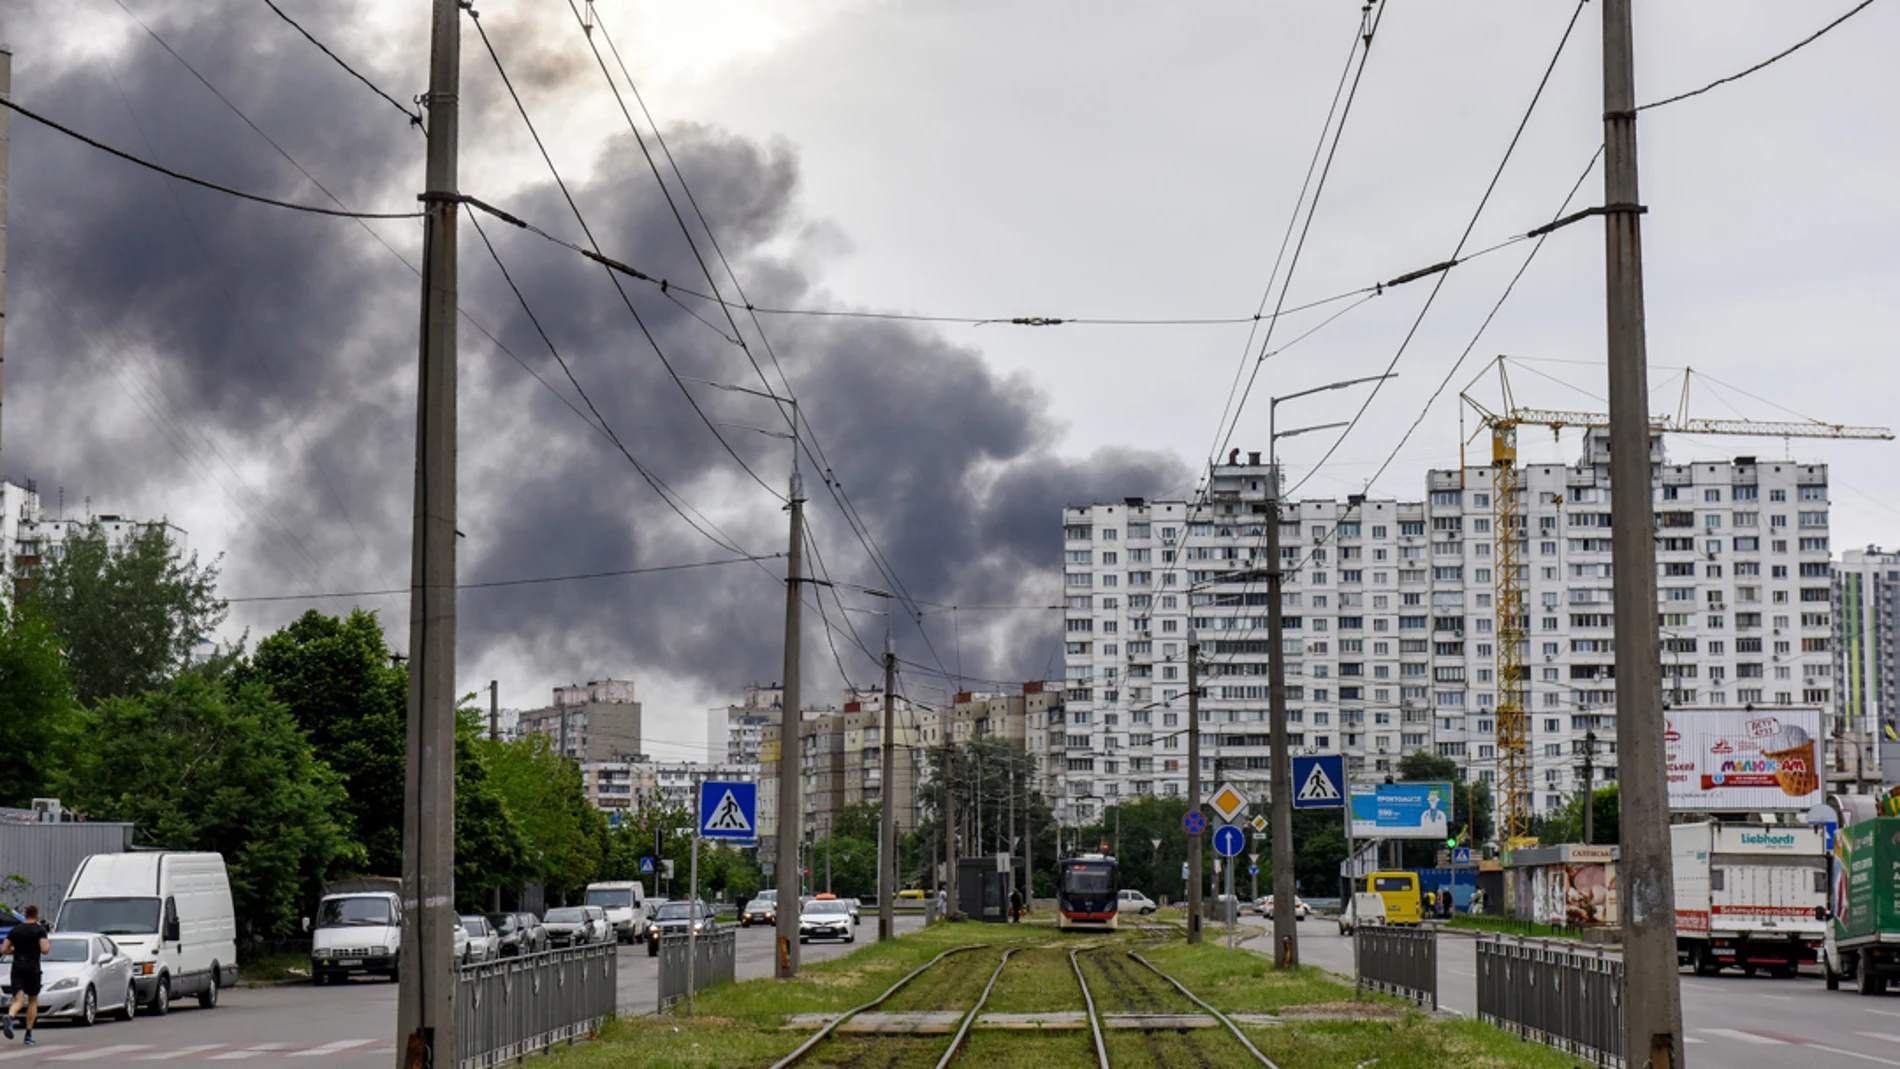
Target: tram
x=1087, y=887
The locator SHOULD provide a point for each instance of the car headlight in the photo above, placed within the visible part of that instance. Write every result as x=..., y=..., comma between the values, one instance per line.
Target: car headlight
x=69, y=982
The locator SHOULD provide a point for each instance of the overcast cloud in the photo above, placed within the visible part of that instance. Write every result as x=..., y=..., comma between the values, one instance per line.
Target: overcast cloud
x=250, y=373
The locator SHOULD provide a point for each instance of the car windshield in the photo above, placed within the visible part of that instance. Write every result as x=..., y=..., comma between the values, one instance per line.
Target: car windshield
x=675, y=911
x=504, y=922
x=828, y=906
x=565, y=916
x=366, y=912
x=610, y=899
x=476, y=926
x=69, y=950
x=765, y=897
x=113, y=916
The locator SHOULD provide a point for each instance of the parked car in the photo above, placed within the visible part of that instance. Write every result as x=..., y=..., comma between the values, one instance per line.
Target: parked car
x=761, y=909
x=483, y=943
x=674, y=918
x=460, y=942
x=626, y=906
x=169, y=912
x=358, y=929
x=1299, y=907
x=826, y=918
x=85, y=974
x=1132, y=901
x=518, y=933
x=574, y=926
x=1365, y=907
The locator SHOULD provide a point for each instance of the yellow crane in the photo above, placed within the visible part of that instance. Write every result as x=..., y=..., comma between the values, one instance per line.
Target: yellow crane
x=1513, y=724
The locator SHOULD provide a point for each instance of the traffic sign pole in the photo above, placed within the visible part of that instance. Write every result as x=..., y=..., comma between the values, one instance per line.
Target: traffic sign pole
x=1231, y=905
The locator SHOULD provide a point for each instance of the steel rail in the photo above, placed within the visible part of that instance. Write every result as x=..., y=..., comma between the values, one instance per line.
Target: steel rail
x=806, y=1047
x=1217, y=1015
x=969, y=1019
x=1088, y=1001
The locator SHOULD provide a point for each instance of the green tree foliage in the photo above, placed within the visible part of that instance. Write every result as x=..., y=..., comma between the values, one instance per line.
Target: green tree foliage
x=335, y=676
x=1566, y=824
x=491, y=851
x=566, y=836
x=128, y=616
x=36, y=706
x=212, y=765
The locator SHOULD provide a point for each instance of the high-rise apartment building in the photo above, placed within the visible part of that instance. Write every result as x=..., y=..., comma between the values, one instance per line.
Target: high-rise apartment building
x=594, y=721
x=1390, y=620
x=1866, y=711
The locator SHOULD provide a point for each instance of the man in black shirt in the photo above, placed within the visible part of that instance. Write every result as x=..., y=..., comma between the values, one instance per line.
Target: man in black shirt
x=27, y=943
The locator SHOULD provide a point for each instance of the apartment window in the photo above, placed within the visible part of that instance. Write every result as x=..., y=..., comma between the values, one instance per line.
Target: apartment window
x=1078, y=532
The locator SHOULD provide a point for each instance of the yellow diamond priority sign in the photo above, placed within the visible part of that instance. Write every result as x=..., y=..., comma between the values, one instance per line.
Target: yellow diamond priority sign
x=1228, y=802
x=1260, y=823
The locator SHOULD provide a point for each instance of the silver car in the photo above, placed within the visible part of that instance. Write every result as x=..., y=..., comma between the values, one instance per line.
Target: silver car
x=576, y=926
x=484, y=943
x=84, y=975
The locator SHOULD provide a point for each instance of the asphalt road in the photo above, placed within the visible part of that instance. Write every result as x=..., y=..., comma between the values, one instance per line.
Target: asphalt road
x=1730, y=1020
x=350, y=1026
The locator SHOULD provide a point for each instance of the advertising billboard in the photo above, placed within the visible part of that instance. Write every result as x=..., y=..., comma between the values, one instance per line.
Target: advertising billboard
x=1401, y=811
x=1750, y=760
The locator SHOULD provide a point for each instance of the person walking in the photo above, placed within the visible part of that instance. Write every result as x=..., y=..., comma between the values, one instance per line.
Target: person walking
x=1015, y=905
x=27, y=943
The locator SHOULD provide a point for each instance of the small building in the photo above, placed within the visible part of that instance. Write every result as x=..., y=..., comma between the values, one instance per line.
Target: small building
x=41, y=848
x=1571, y=885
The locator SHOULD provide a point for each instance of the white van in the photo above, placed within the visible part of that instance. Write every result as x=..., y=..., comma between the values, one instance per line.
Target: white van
x=358, y=930
x=626, y=906
x=169, y=912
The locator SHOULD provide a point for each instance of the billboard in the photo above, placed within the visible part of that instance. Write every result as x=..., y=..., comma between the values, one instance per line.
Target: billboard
x=1751, y=760
x=1401, y=811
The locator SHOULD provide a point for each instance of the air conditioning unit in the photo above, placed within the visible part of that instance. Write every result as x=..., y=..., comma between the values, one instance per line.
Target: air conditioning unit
x=48, y=810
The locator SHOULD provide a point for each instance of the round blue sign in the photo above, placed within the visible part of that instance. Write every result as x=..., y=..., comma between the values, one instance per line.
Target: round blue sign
x=1229, y=840
x=1194, y=822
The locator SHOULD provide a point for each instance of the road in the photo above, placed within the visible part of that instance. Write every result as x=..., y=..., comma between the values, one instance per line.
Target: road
x=351, y=1026
x=1730, y=1020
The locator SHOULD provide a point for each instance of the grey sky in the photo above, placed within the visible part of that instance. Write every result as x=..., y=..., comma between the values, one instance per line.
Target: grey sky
x=944, y=158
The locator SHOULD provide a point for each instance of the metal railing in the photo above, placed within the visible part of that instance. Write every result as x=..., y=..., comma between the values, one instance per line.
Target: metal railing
x=1561, y=994
x=717, y=955
x=507, y=1009
x=1398, y=961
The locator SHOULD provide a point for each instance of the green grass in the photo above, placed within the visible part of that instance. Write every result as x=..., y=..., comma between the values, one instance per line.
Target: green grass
x=1245, y=982
x=1411, y=1042
x=1512, y=926
x=277, y=966
x=1037, y=981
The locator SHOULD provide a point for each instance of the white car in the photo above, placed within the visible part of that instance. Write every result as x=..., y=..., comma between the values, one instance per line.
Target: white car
x=1299, y=907
x=461, y=942
x=483, y=942
x=1367, y=907
x=826, y=918
x=84, y=975
x=1129, y=901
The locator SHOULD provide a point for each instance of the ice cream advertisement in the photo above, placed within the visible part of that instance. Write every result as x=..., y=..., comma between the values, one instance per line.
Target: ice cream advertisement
x=1743, y=759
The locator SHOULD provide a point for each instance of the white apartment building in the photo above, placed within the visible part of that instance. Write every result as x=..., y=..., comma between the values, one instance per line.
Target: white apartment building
x=1866, y=662
x=1390, y=622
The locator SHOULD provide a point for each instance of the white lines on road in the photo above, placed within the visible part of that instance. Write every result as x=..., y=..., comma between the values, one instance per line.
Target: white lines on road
x=93, y=1053
x=249, y=1052
x=1778, y=998
x=1853, y=1054
x=1806, y=1044
x=1745, y=1037
x=336, y=1047
x=167, y=1055
x=1884, y=1013
x=27, y=1052
x=1887, y=1036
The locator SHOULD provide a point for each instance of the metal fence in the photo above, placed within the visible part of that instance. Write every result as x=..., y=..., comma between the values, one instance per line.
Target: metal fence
x=717, y=952
x=1562, y=994
x=507, y=1009
x=1398, y=961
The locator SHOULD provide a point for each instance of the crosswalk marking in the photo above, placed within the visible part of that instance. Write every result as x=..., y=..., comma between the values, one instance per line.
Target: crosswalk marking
x=167, y=1055
x=1852, y=1054
x=1692, y=1039
x=1746, y=1037
x=249, y=1052
x=27, y=1052
x=334, y=1047
x=1888, y=1036
x=94, y=1053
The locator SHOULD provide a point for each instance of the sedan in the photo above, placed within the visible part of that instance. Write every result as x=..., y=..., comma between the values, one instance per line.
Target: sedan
x=762, y=909
x=575, y=926
x=673, y=919
x=516, y=933
x=83, y=973
x=1299, y=908
x=483, y=942
x=826, y=919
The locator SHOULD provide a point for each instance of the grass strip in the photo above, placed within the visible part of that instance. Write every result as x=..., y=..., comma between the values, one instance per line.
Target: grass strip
x=1411, y=1042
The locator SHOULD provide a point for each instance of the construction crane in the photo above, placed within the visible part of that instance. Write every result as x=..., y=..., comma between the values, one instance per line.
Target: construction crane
x=1513, y=723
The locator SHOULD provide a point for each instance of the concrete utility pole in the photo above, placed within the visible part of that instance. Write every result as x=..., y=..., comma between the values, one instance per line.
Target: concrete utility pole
x=1194, y=782
x=1652, y=996
x=1286, y=938
x=791, y=817
x=6, y=150
x=425, y=1011
x=949, y=821
x=494, y=710
x=1589, y=791
x=887, y=820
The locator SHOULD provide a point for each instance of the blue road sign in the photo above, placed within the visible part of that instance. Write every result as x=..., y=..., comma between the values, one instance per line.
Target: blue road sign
x=1461, y=856
x=1253, y=870
x=1184, y=870
x=1194, y=822
x=728, y=810
x=1319, y=781
x=646, y=866
x=1229, y=840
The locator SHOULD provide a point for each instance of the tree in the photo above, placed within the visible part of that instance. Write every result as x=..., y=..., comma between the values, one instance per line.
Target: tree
x=491, y=852
x=335, y=676
x=1565, y=825
x=36, y=706
x=127, y=616
x=566, y=836
x=213, y=765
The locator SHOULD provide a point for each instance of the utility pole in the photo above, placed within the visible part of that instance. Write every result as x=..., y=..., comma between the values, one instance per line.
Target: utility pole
x=1286, y=939
x=887, y=820
x=949, y=821
x=1589, y=792
x=1029, y=839
x=425, y=1009
x=1652, y=995
x=1194, y=782
x=6, y=148
x=791, y=818
x=494, y=710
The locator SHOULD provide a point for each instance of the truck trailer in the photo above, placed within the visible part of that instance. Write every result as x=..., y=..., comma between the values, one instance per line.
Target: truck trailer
x=1863, y=941
x=1749, y=896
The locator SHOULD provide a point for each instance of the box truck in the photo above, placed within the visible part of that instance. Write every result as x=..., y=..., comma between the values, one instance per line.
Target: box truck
x=1749, y=896
x=1863, y=941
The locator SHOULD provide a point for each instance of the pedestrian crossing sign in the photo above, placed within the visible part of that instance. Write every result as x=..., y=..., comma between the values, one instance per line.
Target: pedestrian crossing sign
x=728, y=810
x=1318, y=782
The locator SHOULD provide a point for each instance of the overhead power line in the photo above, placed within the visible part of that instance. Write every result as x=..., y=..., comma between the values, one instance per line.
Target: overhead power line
x=530, y=581
x=413, y=115
x=313, y=209
x=1776, y=58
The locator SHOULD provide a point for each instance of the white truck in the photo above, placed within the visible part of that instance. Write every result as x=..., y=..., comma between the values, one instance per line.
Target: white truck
x=358, y=930
x=625, y=903
x=1749, y=896
x=170, y=912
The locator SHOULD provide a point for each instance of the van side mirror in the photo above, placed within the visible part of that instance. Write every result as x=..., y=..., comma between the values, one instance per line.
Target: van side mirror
x=306, y=924
x=171, y=930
